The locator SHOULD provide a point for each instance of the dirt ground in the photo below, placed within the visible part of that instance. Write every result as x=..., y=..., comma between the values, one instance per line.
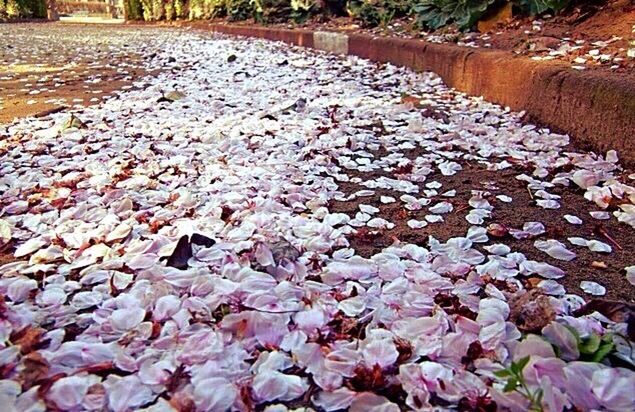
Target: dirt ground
x=77, y=71
x=604, y=269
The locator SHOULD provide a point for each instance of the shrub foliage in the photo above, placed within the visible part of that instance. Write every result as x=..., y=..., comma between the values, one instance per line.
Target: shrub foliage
x=22, y=9
x=435, y=14
x=427, y=14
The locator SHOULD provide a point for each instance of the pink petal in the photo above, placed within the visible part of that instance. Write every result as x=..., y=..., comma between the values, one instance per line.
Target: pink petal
x=339, y=399
x=68, y=392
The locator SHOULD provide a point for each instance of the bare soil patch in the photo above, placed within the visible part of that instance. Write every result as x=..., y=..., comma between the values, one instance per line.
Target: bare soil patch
x=62, y=66
x=522, y=209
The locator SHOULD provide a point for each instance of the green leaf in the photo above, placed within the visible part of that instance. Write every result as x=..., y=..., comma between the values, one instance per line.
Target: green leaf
x=535, y=7
x=438, y=13
x=502, y=373
x=590, y=345
x=511, y=385
x=517, y=367
x=604, y=350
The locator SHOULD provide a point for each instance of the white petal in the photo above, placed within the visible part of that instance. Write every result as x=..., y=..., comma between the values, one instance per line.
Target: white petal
x=548, y=204
x=441, y=207
x=380, y=352
x=215, y=394
x=574, y=220
x=68, y=392
x=597, y=246
x=551, y=287
x=504, y=198
x=434, y=218
x=380, y=223
x=369, y=402
x=554, y=249
x=416, y=224
x=592, y=288
x=578, y=241
x=339, y=399
x=585, y=178
x=128, y=394
x=52, y=296
x=119, y=233
x=534, y=228
x=371, y=210
x=352, y=306
x=271, y=385
x=20, y=289
x=125, y=319
x=600, y=215
x=498, y=249
x=5, y=232
x=30, y=246
x=165, y=307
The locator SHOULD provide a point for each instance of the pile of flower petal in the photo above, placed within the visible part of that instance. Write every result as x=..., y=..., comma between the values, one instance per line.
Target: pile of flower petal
x=177, y=252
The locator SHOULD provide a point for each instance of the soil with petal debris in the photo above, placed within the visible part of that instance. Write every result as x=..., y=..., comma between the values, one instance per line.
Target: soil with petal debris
x=606, y=269
x=49, y=68
x=262, y=227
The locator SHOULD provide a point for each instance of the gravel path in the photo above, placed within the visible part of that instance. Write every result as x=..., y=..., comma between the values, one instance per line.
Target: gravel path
x=258, y=227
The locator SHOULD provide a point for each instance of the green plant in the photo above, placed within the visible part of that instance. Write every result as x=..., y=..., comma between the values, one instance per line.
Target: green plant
x=180, y=9
x=378, y=12
x=238, y=10
x=134, y=9
x=4, y=10
x=516, y=382
x=20, y=9
x=431, y=14
x=594, y=348
x=170, y=13
x=435, y=14
x=271, y=11
x=152, y=10
x=301, y=10
x=363, y=11
x=534, y=7
x=207, y=9
x=334, y=7
x=386, y=16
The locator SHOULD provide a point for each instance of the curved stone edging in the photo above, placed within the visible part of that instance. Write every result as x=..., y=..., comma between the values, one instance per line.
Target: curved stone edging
x=595, y=109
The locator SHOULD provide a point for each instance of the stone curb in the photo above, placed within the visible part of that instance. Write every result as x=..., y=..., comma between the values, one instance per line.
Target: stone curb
x=596, y=109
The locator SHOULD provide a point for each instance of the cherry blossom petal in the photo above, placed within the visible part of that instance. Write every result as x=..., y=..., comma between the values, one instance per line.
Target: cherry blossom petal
x=369, y=402
x=554, y=249
x=215, y=395
x=592, y=288
x=272, y=385
x=339, y=399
